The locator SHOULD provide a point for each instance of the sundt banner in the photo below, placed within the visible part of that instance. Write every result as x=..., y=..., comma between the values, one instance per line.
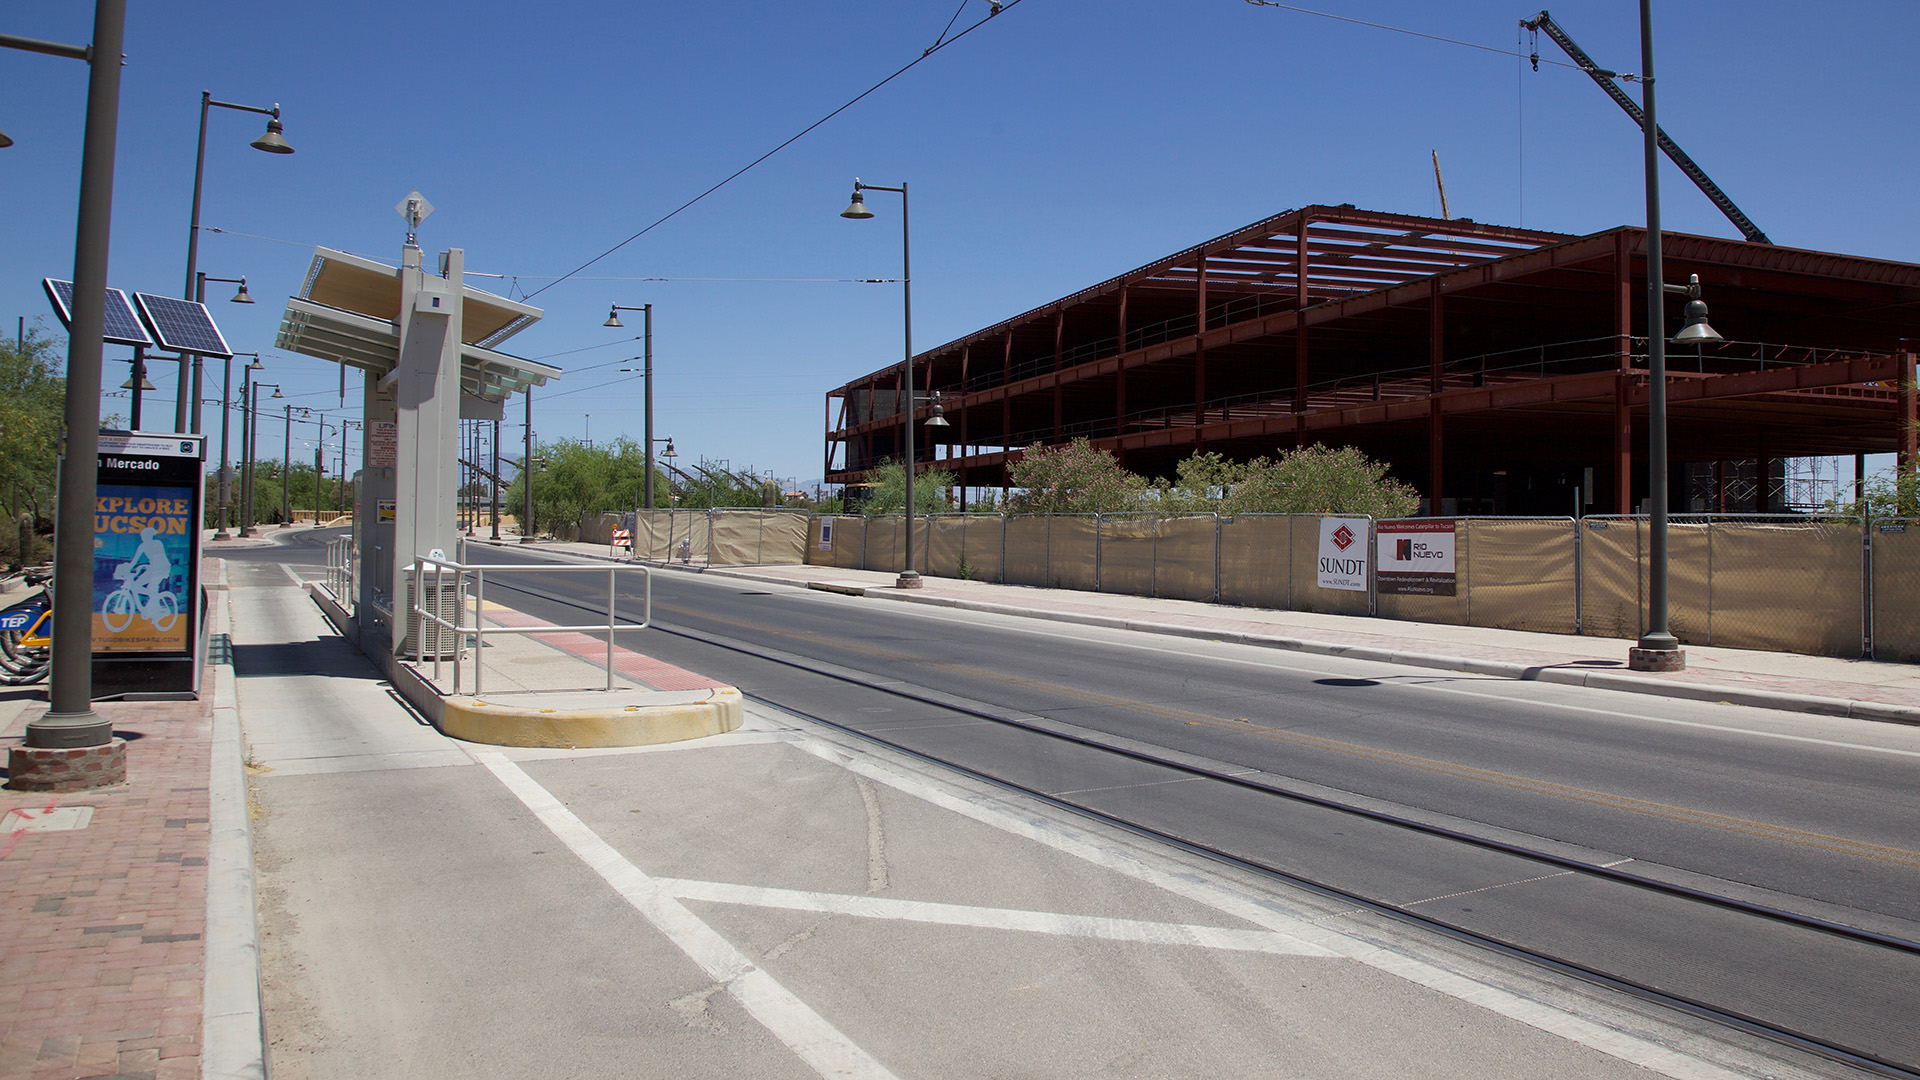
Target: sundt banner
x=1343, y=553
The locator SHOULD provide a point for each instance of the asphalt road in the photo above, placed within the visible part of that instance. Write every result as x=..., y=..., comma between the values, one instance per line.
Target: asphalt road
x=1805, y=813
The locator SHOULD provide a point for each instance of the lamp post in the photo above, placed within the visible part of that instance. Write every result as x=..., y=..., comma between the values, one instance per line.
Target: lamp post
x=526, y=471
x=200, y=296
x=613, y=319
x=251, y=439
x=286, y=466
x=1658, y=649
x=225, y=497
x=857, y=211
x=272, y=142
x=70, y=721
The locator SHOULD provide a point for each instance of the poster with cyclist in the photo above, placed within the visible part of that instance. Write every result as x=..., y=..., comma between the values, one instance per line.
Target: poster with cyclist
x=145, y=544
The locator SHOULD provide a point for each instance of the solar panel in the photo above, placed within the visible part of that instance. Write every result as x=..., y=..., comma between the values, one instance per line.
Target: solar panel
x=182, y=325
x=122, y=326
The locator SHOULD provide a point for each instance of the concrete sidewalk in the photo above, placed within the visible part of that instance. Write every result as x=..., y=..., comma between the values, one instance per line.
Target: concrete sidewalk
x=1863, y=689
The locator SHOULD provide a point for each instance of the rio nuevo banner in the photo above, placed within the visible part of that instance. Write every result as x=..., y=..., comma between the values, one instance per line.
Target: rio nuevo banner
x=1415, y=557
x=1343, y=553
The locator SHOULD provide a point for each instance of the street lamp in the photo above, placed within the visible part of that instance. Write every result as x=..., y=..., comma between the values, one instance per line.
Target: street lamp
x=200, y=296
x=857, y=211
x=271, y=142
x=286, y=464
x=1658, y=649
x=251, y=438
x=225, y=496
x=613, y=320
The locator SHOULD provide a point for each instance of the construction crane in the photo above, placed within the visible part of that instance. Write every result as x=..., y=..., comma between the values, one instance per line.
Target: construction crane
x=1544, y=23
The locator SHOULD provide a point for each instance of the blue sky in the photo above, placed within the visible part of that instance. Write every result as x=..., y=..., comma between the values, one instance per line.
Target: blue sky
x=1062, y=143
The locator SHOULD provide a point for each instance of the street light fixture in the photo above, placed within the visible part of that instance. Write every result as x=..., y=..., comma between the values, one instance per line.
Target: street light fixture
x=251, y=427
x=857, y=211
x=613, y=320
x=225, y=496
x=200, y=296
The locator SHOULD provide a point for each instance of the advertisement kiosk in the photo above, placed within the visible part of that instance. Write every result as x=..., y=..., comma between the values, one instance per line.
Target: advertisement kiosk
x=148, y=615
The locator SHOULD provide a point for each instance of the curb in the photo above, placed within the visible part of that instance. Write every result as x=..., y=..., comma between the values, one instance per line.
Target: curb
x=634, y=725
x=233, y=1037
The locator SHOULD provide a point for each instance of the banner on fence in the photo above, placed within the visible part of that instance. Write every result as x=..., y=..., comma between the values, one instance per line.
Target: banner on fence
x=826, y=534
x=1415, y=557
x=1343, y=553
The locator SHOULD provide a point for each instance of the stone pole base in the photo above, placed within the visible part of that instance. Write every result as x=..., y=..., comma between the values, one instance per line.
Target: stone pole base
x=66, y=768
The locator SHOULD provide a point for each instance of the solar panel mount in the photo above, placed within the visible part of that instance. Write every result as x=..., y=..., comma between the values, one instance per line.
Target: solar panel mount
x=183, y=326
x=122, y=326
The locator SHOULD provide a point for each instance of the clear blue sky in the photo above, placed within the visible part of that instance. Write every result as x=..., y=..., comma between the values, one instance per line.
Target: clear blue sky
x=1064, y=142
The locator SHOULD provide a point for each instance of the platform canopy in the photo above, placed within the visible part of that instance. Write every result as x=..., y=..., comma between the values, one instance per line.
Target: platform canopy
x=348, y=311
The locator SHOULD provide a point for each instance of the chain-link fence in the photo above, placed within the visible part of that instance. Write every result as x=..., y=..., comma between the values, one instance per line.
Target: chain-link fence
x=1892, y=586
x=1823, y=586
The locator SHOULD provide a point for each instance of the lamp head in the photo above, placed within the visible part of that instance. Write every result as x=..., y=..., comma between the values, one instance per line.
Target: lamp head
x=256, y=365
x=272, y=142
x=277, y=393
x=669, y=452
x=939, y=417
x=145, y=383
x=613, y=317
x=241, y=297
x=1696, y=331
x=857, y=209
x=4, y=141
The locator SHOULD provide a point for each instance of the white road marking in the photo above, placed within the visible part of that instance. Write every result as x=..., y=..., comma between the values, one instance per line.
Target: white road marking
x=818, y=1043
x=1092, y=848
x=1034, y=922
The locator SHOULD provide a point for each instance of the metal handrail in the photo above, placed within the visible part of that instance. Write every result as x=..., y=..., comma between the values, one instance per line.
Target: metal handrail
x=340, y=568
x=440, y=567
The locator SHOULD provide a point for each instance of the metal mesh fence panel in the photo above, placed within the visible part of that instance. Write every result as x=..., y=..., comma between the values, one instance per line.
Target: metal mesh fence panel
x=1187, y=558
x=1895, y=584
x=1521, y=574
x=1254, y=557
x=1792, y=586
x=758, y=537
x=1611, y=596
x=850, y=543
x=1073, y=552
x=650, y=535
x=1127, y=543
x=980, y=546
x=885, y=548
x=1450, y=610
x=946, y=540
x=1026, y=550
x=1305, y=572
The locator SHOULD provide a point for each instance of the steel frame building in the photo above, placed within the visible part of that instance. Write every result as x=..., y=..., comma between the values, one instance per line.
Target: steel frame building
x=1496, y=369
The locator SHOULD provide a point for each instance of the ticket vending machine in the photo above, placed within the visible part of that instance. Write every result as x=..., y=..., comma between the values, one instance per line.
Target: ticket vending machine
x=149, y=617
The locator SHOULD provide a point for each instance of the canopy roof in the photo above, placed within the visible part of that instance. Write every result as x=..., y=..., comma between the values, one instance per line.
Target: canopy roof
x=348, y=311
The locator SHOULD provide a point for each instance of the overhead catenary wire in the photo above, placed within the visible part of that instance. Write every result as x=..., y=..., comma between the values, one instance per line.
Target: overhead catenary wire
x=1411, y=33
x=802, y=133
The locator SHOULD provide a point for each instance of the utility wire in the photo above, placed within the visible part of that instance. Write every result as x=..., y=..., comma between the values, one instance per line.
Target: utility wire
x=910, y=65
x=1410, y=33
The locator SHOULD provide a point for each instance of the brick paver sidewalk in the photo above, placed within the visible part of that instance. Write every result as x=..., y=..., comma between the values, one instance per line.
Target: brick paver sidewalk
x=101, y=928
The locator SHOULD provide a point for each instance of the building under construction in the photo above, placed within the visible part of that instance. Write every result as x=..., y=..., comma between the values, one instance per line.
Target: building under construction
x=1497, y=370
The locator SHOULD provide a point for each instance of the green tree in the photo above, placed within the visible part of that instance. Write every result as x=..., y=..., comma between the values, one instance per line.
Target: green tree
x=33, y=398
x=1075, y=479
x=580, y=479
x=932, y=490
x=715, y=485
x=1883, y=495
x=1319, y=479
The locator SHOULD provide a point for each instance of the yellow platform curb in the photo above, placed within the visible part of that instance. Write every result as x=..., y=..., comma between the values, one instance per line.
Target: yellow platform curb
x=633, y=725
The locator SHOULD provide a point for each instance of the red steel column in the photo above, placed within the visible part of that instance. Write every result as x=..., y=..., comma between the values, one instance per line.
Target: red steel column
x=1436, y=335
x=966, y=447
x=1300, y=322
x=1623, y=380
x=1909, y=460
x=1006, y=415
x=1120, y=380
x=1199, y=352
x=1059, y=391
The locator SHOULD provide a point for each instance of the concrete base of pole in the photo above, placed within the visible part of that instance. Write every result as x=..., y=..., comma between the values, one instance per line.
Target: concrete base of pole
x=909, y=580
x=1639, y=659
x=68, y=731
x=77, y=768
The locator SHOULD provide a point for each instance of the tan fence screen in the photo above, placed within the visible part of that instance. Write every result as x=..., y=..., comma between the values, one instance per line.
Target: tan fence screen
x=1026, y=558
x=1128, y=544
x=1188, y=550
x=980, y=545
x=1254, y=552
x=1072, y=550
x=1787, y=586
x=755, y=537
x=673, y=535
x=1896, y=587
x=1521, y=575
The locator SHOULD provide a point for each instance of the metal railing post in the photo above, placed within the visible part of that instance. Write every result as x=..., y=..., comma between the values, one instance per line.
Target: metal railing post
x=479, y=634
x=610, y=622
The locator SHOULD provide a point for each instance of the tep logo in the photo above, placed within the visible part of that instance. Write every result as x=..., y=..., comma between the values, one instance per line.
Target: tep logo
x=1342, y=538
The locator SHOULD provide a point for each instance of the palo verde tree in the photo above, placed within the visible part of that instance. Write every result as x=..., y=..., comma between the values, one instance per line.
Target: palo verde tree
x=887, y=491
x=1075, y=479
x=572, y=479
x=33, y=397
